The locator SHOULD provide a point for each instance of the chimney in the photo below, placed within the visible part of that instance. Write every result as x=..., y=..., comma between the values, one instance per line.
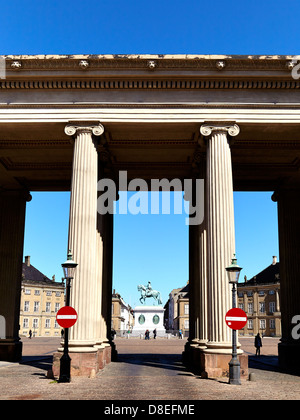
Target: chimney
x=274, y=260
x=27, y=260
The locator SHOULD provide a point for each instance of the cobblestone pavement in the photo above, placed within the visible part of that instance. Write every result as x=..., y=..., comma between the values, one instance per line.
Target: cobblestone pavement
x=145, y=371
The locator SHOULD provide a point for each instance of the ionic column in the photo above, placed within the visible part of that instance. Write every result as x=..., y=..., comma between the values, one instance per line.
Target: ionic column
x=289, y=250
x=220, y=232
x=83, y=241
x=12, y=220
x=203, y=287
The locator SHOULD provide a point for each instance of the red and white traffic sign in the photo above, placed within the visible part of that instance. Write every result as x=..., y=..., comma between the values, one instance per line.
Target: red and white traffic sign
x=66, y=316
x=236, y=319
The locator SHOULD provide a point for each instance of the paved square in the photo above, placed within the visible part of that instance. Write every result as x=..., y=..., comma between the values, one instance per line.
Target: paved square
x=146, y=371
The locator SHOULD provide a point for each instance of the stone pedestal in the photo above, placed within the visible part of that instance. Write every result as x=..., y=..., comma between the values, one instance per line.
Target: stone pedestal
x=148, y=318
x=84, y=363
x=216, y=365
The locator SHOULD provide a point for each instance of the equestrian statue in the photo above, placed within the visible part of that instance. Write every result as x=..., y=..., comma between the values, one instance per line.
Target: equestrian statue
x=148, y=292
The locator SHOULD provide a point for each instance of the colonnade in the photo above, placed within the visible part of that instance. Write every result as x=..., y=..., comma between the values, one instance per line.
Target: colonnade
x=212, y=245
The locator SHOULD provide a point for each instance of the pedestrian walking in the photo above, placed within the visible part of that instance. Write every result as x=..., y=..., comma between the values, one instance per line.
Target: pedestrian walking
x=257, y=344
x=30, y=333
x=154, y=333
x=147, y=335
x=180, y=334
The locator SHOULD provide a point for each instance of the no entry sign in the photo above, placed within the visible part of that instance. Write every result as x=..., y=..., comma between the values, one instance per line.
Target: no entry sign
x=236, y=319
x=66, y=317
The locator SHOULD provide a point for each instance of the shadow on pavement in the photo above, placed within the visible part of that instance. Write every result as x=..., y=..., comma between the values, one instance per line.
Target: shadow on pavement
x=171, y=362
x=40, y=362
x=268, y=363
x=264, y=363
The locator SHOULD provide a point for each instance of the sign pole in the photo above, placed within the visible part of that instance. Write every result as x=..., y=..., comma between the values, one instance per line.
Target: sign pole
x=234, y=364
x=65, y=360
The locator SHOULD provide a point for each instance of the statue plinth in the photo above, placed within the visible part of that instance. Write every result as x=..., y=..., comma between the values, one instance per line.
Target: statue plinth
x=148, y=318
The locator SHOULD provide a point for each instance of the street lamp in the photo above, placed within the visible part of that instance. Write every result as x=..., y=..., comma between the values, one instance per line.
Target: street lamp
x=233, y=272
x=65, y=362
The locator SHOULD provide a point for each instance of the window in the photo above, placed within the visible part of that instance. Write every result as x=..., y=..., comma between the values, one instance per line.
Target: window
x=35, y=323
x=48, y=293
x=240, y=294
x=48, y=306
x=250, y=324
x=272, y=324
x=249, y=293
x=262, y=308
x=37, y=292
x=271, y=292
x=57, y=294
x=27, y=292
x=186, y=324
x=57, y=306
x=56, y=324
x=272, y=307
x=25, y=323
x=241, y=306
x=250, y=308
x=26, y=306
x=36, y=307
x=261, y=293
x=186, y=309
x=47, y=323
x=262, y=324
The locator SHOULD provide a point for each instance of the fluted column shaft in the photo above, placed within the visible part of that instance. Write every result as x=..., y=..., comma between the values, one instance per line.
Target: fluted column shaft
x=83, y=235
x=12, y=220
x=203, y=286
x=289, y=249
x=220, y=232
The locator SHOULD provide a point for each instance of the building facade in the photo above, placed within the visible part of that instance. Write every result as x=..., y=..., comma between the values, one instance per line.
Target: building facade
x=259, y=297
x=177, y=311
x=41, y=298
x=121, y=315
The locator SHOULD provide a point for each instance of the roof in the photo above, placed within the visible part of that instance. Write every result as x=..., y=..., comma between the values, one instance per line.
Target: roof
x=269, y=275
x=30, y=274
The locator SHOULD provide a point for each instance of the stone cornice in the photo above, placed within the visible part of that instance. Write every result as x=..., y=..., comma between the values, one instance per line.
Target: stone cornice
x=136, y=83
x=150, y=62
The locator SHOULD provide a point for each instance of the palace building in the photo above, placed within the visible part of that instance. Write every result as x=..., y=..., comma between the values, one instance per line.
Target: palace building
x=41, y=298
x=259, y=297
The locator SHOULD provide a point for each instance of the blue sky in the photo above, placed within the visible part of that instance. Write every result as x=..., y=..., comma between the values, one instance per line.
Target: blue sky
x=157, y=27
x=150, y=247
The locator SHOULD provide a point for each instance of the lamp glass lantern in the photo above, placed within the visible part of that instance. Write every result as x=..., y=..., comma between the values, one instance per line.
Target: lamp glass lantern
x=69, y=266
x=233, y=271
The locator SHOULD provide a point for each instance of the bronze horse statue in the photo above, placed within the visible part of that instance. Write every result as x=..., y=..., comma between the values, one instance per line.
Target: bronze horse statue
x=146, y=293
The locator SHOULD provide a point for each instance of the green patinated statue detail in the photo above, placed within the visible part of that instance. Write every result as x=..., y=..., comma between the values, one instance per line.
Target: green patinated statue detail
x=148, y=292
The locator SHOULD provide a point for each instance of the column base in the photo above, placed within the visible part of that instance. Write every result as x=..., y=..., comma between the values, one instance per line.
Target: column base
x=209, y=364
x=216, y=365
x=10, y=350
x=190, y=353
x=84, y=363
x=288, y=357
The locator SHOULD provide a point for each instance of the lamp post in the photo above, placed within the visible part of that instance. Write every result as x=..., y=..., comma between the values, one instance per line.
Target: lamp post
x=65, y=361
x=233, y=272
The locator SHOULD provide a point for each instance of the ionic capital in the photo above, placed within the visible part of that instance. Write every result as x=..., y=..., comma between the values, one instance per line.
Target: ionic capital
x=78, y=127
x=231, y=128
